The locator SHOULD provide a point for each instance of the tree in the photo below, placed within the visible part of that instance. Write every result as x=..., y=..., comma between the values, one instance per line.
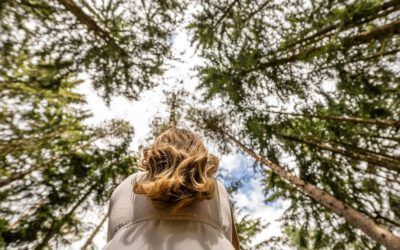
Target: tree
x=53, y=165
x=94, y=233
x=174, y=100
x=247, y=227
x=261, y=48
x=120, y=44
x=322, y=61
x=354, y=217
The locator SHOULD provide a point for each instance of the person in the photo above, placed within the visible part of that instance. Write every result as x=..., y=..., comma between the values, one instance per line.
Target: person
x=175, y=202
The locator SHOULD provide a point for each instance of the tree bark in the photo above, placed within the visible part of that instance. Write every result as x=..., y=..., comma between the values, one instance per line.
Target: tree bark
x=225, y=12
x=56, y=227
x=375, y=159
x=351, y=215
x=21, y=175
x=85, y=19
x=28, y=212
x=94, y=233
x=352, y=119
x=172, y=113
x=387, y=8
x=378, y=33
x=7, y=146
x=260, y=8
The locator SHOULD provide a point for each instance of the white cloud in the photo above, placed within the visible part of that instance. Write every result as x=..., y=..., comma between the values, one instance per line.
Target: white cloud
x=230, y=162
x=253, y=202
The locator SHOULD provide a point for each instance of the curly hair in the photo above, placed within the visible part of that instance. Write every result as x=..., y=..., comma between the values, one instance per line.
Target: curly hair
x=178, y=170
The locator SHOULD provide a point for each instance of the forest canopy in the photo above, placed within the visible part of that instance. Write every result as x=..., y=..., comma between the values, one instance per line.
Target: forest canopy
x=308, y=91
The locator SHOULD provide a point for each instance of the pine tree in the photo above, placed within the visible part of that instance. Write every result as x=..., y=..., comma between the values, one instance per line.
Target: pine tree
x=53, y=166
x=120, y=44
x=247, y=227
x=262, y=48
x=359, y=218
x=344, y=140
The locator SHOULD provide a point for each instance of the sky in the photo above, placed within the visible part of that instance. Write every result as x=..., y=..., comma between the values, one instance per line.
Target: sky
x=250, y=196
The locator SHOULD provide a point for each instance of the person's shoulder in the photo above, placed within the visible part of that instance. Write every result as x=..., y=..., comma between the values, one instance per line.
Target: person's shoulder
x=126, y=185
x=222, y=188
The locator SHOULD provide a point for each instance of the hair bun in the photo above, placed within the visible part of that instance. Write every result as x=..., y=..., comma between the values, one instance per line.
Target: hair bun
x=177, y=177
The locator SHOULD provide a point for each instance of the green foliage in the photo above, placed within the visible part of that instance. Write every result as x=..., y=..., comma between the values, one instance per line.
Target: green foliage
x=310, y=85
x=53, y=166
x=247, y=226
x=111, y=41
x=287, y=48
x=333, y=65
x=247, y=229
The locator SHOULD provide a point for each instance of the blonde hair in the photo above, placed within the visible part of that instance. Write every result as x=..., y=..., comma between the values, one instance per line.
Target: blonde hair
x=178, y=170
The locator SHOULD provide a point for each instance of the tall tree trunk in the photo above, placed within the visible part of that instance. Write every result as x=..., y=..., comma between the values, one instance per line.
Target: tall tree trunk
x=94, y=233
x=90, y=9
x=85, y=19
x=55, y=228
x=28, y=212
x=351, y=215
x=374, y=56
x=172, y=111
x=379, y=33
x=375, y=159
x=352, y=119
x=382, y=10
x=227, y=10
x=21, y=175
x=8, y=146
x=253, y=13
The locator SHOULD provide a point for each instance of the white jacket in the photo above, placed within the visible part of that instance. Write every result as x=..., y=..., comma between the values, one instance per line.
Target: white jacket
x=134, y=223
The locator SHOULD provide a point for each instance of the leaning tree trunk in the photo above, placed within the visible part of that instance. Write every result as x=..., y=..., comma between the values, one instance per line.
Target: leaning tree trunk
x=94, y=233
x=226, y=12
x=8, y=146
x=350, y=119
x=28, y=212
x=56, y=228
x=173, y=109
x=378, y=33
x=22, y=174
x=381, y=11
x=351, y=215
x=377, y=159
x=91, y=24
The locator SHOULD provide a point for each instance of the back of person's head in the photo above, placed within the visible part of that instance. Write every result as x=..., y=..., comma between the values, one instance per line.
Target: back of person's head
x=178, y=170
